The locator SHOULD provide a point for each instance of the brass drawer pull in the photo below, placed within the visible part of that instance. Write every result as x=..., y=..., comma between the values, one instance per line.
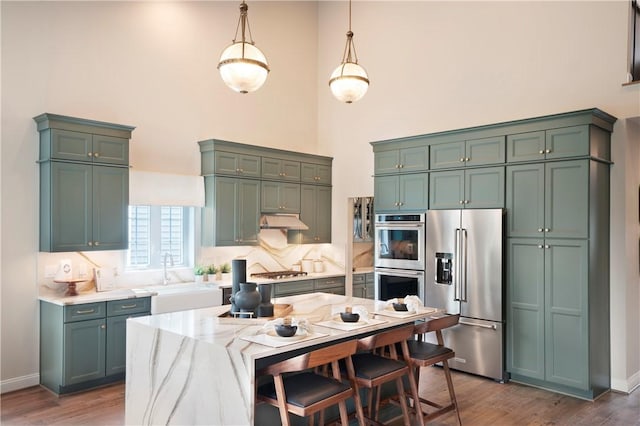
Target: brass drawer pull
x=89, y=311
x=129, y=306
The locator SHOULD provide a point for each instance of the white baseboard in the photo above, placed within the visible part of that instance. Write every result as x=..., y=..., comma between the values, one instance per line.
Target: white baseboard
x=626, y=386
x=17, y=383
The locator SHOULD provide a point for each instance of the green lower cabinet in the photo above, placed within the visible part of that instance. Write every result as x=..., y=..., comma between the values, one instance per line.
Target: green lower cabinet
x=84, y=351
x=333, y=285
x=84, y=345
x=548, y=339
x=401, y=193
x=363, y=286
x=480, y=188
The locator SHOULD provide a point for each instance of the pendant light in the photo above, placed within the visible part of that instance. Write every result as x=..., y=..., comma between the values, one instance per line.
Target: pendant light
x=243, y=67
x=349, y=82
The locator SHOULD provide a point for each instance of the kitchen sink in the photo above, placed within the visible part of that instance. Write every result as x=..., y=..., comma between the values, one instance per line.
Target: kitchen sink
x=183, y=296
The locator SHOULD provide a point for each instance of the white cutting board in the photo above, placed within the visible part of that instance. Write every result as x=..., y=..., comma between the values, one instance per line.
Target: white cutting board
x=105, y=279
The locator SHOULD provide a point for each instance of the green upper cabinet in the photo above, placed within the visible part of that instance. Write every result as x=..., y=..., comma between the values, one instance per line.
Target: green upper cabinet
x=315, y=173
x=315, y=212
x=548, y=200
x=232, y=211
x=564, y=142
x=401, y=193
x=280, y=197
x=234, y=203
x=466, y=153
x=472, y=188
x=279, y=169
x=404, y=160
x=230, y=163
x=56, y=144
x=84, y=184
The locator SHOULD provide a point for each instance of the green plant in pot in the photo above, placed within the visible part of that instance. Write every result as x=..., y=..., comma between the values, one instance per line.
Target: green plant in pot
x=199, y=272
x=212, y=270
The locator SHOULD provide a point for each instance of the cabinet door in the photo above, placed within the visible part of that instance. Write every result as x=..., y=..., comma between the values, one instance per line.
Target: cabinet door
x=358, y=290
x=67, y=145
x=567, y=142
x=525, y=200
x=484, y=188
x=323, y=212
x=525, y=307
x=413, y=192
x=315, y=173
x=70, y=221
x=567, y=199
x=386, y=162
x=447, y=155
x=107, y=149
x=308, y=209
x=566, y=316
x=386, y=193
x=446, y=190
x=237, y=164
x=278, y=197
x=271, y=168
x=485, y=151
x=414, y=159
x=110, y=205
x=116, y=350
x=84, y=351
x=526, y=147
x=290, y=170
x=223, y=212
x=247, y=211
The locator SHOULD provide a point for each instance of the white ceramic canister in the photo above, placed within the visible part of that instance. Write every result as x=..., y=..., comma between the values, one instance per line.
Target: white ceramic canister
x=307, y=265
x=318, y=266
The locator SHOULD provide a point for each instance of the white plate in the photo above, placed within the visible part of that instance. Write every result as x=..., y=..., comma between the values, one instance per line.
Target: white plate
x=300, y=334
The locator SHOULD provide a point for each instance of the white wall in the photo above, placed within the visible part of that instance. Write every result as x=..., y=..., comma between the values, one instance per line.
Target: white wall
x=433, y=65
x=437, y=66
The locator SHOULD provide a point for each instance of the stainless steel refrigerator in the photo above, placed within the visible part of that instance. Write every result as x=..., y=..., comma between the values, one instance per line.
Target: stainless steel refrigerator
x=464, y=274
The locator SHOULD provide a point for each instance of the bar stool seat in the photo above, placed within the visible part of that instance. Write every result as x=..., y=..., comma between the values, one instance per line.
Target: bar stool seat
x=295, y=389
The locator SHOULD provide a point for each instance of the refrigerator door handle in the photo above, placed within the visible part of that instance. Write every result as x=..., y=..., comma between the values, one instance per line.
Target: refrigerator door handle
x=456, y=259
x=473, y=324
x=463, y=264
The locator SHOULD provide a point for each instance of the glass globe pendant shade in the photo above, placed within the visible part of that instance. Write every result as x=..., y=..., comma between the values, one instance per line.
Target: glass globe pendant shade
x=349, y=82
x=243, y=67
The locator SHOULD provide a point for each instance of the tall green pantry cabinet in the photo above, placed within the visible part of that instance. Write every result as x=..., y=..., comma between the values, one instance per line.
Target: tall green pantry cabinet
x=84, y=184
x=557, y=199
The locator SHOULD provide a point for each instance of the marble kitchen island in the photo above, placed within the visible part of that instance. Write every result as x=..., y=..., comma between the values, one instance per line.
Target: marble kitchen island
x=195, y=367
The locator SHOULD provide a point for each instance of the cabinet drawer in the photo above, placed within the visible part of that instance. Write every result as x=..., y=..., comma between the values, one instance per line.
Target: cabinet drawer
x=129, y=306
x=359, y=279
x=294, y=287
x=85, y=311
x=322, y=283
x=369, y=277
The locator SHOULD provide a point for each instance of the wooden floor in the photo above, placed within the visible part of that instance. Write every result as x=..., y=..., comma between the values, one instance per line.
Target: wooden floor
x=482, y=402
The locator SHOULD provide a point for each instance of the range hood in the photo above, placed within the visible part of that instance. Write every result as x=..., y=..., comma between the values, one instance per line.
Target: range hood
x=282, y=221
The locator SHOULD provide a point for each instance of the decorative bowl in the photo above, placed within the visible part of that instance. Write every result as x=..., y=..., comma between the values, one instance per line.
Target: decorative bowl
x=349, y=316
x=400, y=307
x=284, y=330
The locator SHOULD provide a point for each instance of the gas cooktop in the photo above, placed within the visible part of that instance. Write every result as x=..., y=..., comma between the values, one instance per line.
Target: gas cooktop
x=278, y=274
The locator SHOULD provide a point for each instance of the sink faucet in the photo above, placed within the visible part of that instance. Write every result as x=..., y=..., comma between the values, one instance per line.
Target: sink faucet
x=165, y=280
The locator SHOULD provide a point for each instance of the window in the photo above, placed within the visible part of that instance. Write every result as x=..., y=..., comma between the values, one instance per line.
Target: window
x=155, y=231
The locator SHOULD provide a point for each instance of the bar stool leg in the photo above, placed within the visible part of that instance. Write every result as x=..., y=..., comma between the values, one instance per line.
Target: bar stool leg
x=452, y=394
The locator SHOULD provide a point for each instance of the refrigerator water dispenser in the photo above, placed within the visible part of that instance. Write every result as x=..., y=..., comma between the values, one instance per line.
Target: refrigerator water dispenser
x=444, y=267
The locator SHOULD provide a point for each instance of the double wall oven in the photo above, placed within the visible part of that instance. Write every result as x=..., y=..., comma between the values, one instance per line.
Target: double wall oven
x=399, y=255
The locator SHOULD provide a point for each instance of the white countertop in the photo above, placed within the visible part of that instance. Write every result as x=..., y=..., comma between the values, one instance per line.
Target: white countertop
x=92, y=296
x=310, y=276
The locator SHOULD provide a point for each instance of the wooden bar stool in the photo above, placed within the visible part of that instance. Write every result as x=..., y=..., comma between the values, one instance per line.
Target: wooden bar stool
x=306, y=393
x=381, y=364
x=423, y=354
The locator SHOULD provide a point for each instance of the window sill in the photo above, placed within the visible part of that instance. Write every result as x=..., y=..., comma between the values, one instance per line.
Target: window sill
x=631, y=83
